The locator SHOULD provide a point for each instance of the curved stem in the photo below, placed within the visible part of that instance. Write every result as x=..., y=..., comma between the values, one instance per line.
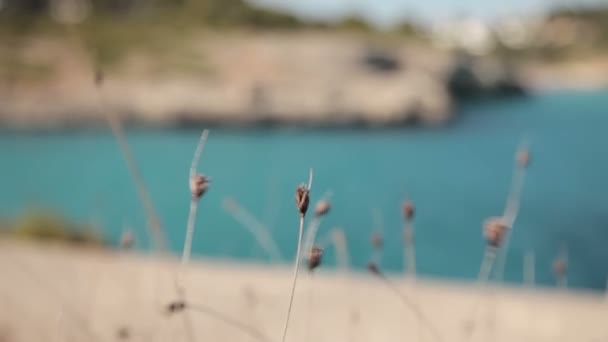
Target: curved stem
x=197, y=153
x=255, y=227
x=510, y=215
x=189, y=232
x=295, y=277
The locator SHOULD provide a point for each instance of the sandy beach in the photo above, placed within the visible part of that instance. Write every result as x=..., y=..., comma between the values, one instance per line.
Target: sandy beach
x=57, y=294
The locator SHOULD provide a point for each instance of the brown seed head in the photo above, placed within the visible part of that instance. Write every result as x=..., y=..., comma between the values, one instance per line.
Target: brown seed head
x=494, y=231
x=373, y=268
x=322, y=208
x=126, y=240
x=176, y=306
x=314, y=258
x=302, y=199
x=523, y=158
x=408, y=210
x=560, y=268
x=377, y=240
x=198, y=185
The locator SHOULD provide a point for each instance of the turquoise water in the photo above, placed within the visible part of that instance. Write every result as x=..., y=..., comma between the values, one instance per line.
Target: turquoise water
x=457, y=176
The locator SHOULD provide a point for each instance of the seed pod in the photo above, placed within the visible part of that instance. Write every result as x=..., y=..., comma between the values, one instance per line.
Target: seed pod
x=315, y=256
x=126, y=240
x=373, y=268
x=198, y=186
x=302, y=199
x=523, y=158
x=377, y=241
x=408, y=210
x=560, y=268
x=322, y=208
x=494, y=231
x=175, y=307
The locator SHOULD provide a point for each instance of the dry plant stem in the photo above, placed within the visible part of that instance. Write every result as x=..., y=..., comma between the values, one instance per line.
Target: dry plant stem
x=482, y=280
x=336, y=238
x=189, y=231
x=295, y=278
x=410, y=253
x=257, y=229
x=529, y=269
x=311, y=234
x=194, y=200
x=256, y=334
x=197, y=153
x=412, y=306
x=510, y=215
x=154, y=226
x=297, y=261
x=339, y=241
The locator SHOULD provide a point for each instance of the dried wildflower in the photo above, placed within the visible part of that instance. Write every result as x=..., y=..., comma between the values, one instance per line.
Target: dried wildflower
x=126, y=240
x=560, y=268
x=315, y=256
x=377, y=241
x=373, y=268
x=176, y=306
x=494, y=231
x=198, y=186
x=322, y=208
x=523, y=158
x=302, y=199
x=408, y=210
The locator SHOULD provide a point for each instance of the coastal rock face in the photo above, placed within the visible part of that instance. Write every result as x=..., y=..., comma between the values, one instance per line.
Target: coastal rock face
x=283, y=78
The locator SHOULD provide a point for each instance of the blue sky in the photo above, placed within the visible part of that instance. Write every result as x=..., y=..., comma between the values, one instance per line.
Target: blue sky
x=386, y=12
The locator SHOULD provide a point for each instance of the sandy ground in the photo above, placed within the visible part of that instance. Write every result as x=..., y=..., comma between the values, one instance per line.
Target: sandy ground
x=57, y=294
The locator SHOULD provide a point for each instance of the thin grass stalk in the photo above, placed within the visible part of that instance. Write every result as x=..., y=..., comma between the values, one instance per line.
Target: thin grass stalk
x=154, y=225
x=412, y=306
x=310, y=234
x=194, y=200
x=482, y=280
x=260, y=232
x=529, y=269
x=339, y=241
x=410, y=253
x=510, y=215
x=298, y=257
x=256, y=334
x=189, y=232
x=295, y=277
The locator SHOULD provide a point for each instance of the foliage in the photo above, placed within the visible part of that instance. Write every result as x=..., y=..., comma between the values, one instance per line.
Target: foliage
x=48, y=226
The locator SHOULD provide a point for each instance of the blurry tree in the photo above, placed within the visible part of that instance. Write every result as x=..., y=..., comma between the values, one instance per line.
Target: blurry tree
x=354, y=23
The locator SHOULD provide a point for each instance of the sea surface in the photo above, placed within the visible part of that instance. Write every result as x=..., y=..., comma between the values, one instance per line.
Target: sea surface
x=457, y=176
